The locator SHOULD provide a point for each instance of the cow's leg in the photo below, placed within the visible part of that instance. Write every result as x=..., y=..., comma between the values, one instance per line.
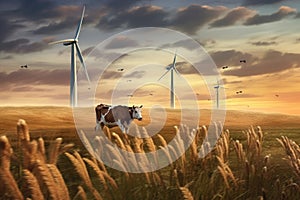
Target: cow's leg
x=120, y=125
x=125, y=134
x=97, y=127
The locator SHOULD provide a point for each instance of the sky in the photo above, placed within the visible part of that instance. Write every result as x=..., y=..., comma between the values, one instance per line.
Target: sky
x=265, y=33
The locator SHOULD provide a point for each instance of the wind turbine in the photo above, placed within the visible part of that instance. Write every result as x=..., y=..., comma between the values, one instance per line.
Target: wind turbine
x=171, y=68
x=74, y=49
x=217, y=87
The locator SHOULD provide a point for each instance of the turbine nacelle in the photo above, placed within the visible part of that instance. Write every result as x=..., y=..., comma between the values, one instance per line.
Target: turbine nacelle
x=171, y=68
x=69, y=42
x=65, y=42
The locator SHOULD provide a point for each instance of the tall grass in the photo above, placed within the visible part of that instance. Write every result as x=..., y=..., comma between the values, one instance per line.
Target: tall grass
x=230, y=169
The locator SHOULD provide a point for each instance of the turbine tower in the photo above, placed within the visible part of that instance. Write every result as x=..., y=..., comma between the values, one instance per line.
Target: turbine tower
x=74, y=49
x=171, y=68
x=217, y=94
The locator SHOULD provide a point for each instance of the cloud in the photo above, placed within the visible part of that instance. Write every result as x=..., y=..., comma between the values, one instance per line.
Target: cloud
x=264, y=43
x=272, y=62
x=117, y=5
x=140, y=16
x=63, y=20
x=283, y=12
x=36, y=10
x=121, y=42
x=57, y=27
x=8, y=28
x=187, y=44
x=231, y=57
x=185, y=68
x=88, y=50
x=260, y=2
x=41, y=17
x=29, y=89
x=22, y=46
x=187, y=19
x=25, y=77
x=136, y=74
x=190, y=19
x=7, y=57
x=208, y=42
x=234, y=16
x=111, y=75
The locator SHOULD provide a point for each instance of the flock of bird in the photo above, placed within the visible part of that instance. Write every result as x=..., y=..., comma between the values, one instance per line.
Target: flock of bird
x=224, y=67
x=151, y=94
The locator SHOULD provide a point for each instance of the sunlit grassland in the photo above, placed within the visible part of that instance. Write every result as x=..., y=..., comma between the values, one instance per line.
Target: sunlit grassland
x=52, y=122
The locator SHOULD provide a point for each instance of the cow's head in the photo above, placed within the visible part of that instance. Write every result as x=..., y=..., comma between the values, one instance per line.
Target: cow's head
x=137, y=112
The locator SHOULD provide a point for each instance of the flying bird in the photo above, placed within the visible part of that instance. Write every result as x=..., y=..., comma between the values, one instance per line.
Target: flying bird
x=242, y=61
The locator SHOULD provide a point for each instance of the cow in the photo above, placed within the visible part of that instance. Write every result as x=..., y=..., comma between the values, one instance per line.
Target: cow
x=121, y=116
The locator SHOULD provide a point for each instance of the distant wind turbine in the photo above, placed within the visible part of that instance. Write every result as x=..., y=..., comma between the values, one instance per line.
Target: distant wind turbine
x=171, y=68
x=217, y=87
x=73, y=74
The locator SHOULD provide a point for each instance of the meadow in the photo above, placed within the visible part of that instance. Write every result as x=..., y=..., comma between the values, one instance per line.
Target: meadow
x=256, y=157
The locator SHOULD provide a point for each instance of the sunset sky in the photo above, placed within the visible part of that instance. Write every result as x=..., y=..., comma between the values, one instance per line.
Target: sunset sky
x=265, y=33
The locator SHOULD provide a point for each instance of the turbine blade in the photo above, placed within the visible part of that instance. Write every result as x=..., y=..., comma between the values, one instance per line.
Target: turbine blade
x=164, y=74
x=174, y=61
x=62, y=41
x=79, y=25
x=82, y=62
x=177, y=72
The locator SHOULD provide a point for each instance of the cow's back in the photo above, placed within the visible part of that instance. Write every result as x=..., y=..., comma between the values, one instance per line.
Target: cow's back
x=121, y=113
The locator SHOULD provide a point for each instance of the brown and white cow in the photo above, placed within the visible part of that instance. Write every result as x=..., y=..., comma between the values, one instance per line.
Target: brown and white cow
x=121, y=116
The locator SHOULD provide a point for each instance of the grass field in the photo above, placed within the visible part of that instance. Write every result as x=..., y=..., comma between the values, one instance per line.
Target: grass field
x=53, y=122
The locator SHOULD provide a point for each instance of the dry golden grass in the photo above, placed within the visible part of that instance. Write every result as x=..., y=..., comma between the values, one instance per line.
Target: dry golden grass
x=32, y=186
x=233, y=169
x=51, y=118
